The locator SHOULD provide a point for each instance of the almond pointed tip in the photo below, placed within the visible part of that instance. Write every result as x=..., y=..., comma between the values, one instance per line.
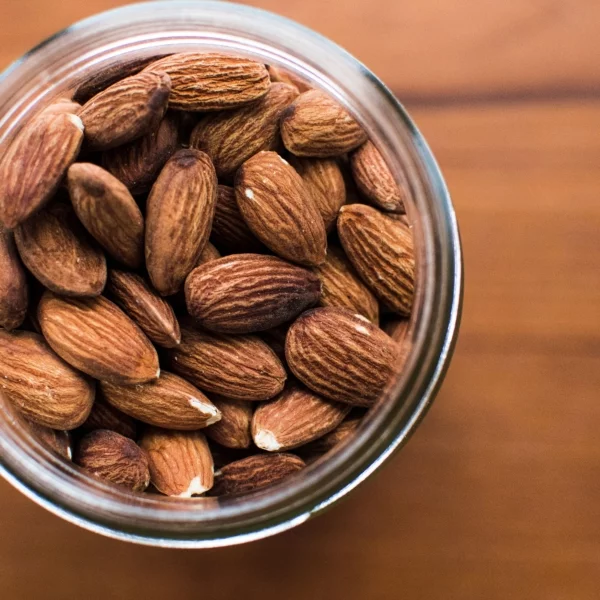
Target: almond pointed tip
x=266, y=440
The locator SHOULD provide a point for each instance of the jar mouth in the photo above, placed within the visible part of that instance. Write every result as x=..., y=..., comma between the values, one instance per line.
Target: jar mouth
x=60, y=64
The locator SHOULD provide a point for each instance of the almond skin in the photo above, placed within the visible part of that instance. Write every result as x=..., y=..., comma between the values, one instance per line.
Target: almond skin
x=35, y=163
x=127, y=110
x=381, y=250
x=255, y=472
x=245, y=293
x=232, y=137
x=324, y=179
x=179, y=216
x=239, y=367
x=341, y=356
x=115, y=458
x=279, y=209
x=153, y=314
x=397, y=329
x=170, y=402
x=108, y=211
x=14, y=293
x=62, y=106
x=43, y=388
x=316, y=125
x=233, y=430
x=297, y=416
x=105, y=416
x=375, y=181
x=343, y=288
x=59, y=441
x=137, y=164
x=180, y=462
x=230, y=232
x=329, y=441
x=96, y=337
x=209, y=253
x=58, y=252
x=279, y=74
x=212, y=81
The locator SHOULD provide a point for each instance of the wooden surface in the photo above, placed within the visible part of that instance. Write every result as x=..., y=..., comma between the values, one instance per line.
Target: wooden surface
x=498, y=494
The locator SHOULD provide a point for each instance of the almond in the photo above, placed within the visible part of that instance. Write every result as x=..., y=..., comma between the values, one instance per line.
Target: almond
x=232, y=137
x=41, y=385
x=108, y=211
x=62, y=106
x=334, y=438
x=341, y=356
x=179, y=217
x=343, y=288
x=59, y=441
x=180, y=462
x=209, y=253
x=115, y=458
x=239, y=367
x=35, y=163
x=255, y=472
x=279, y=74
x=230, y=232
x=316, y=125
x=381, y=250
x=127, y=110
x=275, y=338
x=280, y=210
x=245, y=293
x=170, y=402
x=137, y=164
x=57, y=250
x=297, y=416
x=233, y=430
x=14, y=294
x=153, y=314
x=105, y=416
x=96, y=337
x=397, y=329
x=324, y=179
x=375, y=181
x=212, y=81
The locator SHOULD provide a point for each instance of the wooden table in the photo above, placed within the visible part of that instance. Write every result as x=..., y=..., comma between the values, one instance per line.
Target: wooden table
x=498, y=494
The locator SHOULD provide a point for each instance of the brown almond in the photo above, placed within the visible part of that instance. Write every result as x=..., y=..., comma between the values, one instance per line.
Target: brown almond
x=35, y=163
x=170, y=402
x=246, y=293
x=179, y=215
x=212, y=81
x=108, y=211
x=58, y=252
x=324, y=179
x=334, y=438
x=255, y=472
x=96, y=337
x=105, y=416
x=397, y=329
x=297, y=416
x=14, y=294
x=42, y=387
x=343, y=288
x=279, y=74
x=375, y=181
x=209, y=253
x=57, y=440
x=279, y=209
x=239, y=367
x=232, y=137
x=381, y=250
x=153, y=314
x=275, y=338
x=127, y=110
x=137, y=164
x=341, y=356
x=233, y=430
x=62, y=106
x=115, y=458
x=180, y=462
x=316, y=125
x=230, y=232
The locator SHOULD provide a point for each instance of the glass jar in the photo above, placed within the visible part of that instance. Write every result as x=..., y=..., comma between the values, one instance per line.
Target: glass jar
x=59, y=65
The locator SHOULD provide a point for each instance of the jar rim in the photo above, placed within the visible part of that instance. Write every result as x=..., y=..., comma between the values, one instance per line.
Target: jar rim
x=98, y=506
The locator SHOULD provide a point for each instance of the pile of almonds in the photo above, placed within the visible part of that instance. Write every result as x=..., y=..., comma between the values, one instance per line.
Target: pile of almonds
x=196, y=253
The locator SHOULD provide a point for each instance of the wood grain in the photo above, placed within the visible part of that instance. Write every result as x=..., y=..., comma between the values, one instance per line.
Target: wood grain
x=497, y=496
